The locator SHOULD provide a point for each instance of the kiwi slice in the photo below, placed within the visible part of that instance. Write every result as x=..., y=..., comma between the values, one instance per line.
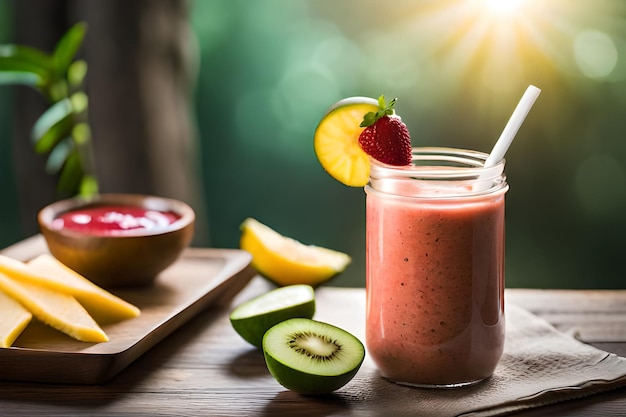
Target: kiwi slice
x=311, y=357
x=254, y=317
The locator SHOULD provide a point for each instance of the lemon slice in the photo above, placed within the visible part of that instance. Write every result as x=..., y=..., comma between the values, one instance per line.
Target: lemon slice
x=286, y=261
x=336, y=141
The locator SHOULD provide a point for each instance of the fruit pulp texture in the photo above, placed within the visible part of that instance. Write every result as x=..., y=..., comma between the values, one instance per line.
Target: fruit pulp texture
x=435, y=288
x=108, y=220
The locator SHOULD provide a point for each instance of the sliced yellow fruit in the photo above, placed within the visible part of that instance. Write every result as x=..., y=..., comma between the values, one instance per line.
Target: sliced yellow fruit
x=14, y=320
x=336, y=141
x=47, y=271
x=286, y=261
x=55, y=309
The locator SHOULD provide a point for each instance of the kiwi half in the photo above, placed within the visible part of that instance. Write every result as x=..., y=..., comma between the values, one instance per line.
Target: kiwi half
x=311, y=357
x=254, y=317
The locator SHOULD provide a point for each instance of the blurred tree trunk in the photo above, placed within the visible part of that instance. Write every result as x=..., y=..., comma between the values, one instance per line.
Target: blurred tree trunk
x=37, y=24
x=142, y=66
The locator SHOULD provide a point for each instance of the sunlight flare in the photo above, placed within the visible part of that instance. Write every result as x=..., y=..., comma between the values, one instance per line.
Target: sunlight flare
x=501, y=8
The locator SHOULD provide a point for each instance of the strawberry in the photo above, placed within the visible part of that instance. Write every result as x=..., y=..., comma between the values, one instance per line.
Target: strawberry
x=385, y=137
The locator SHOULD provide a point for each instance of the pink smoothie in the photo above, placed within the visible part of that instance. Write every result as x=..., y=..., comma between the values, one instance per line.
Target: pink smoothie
x=435, y=286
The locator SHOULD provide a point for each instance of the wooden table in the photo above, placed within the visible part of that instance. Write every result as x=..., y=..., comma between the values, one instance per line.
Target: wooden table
x=204, y=368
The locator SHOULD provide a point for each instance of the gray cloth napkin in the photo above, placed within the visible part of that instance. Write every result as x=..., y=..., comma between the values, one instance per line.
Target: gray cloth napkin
x=540, y=366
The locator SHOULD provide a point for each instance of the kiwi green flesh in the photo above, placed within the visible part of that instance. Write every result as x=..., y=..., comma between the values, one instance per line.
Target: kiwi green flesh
x=311, y=357
x=254, y=317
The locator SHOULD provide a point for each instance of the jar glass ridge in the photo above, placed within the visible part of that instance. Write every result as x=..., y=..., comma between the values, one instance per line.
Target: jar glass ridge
x=452, y=173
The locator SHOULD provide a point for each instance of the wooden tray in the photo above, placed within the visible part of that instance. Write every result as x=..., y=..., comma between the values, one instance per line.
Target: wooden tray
x=201, y=277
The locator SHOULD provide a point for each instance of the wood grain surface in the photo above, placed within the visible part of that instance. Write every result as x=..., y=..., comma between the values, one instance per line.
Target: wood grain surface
x=198, y=278
x=205, y=369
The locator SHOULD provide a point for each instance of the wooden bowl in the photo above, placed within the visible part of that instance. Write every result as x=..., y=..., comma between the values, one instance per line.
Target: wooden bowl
x=132, y=257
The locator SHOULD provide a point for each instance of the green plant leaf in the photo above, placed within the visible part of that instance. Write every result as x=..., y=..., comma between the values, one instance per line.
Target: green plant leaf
x=67, y=47
x=76, y=73
x=27, y=59
x=50, y=117
x=17, y=62
x=20, y=77
x=27, y=54
x=79, y=101
x=81, y=133
x=55, y=124
x=56, y=91
x=9, y=63
x=71, y=175
x=88, y=186
x=62, y=131
x=59, y=155
x=54, y=135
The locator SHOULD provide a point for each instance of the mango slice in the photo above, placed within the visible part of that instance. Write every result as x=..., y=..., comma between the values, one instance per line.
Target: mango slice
x=56, y=309
x=15, y=318
x=47, y=271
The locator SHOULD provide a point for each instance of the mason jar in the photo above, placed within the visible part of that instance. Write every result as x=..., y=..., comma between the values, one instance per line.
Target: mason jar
x=435, y=268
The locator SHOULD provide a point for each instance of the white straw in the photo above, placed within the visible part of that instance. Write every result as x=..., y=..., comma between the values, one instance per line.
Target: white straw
x=513, y=125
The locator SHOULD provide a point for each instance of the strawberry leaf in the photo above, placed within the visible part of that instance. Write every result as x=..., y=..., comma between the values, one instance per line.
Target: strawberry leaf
x=369, y=119
x=384, y=109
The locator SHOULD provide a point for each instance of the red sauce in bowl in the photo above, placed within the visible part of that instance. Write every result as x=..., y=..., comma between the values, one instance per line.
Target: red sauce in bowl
x=114, y=220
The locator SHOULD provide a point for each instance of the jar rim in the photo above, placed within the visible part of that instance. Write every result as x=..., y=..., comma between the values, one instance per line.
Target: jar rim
x=439, y=172
x=452, y=163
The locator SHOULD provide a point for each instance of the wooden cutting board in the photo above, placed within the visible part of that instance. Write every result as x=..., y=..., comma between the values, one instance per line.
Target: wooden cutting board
x=201, y=277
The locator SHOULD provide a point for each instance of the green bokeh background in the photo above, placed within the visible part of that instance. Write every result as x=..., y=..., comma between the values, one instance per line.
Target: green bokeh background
x=269, y=70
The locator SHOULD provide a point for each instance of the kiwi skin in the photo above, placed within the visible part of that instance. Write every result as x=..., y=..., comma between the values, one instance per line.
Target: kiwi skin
x=252, y=328
x=307, y=383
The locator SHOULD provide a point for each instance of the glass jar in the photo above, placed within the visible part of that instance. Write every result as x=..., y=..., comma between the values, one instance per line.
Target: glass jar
x=435, y=268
